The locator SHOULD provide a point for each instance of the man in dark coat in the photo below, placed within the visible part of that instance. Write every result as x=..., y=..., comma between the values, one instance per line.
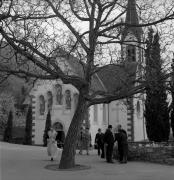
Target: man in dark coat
x=99, y=140
x=121, y=138
x=109, y=141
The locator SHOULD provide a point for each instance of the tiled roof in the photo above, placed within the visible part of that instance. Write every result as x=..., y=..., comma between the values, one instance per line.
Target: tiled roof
x=109, y=78
x=72, y=61
x=77, y=67
x=118, y=77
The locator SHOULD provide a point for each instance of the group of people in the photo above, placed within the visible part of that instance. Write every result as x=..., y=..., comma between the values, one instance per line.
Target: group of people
x=105, y=144
x=104, y=141
x=84, y=142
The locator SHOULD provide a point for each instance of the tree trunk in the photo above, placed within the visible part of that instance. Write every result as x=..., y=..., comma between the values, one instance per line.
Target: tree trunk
x=68, y=154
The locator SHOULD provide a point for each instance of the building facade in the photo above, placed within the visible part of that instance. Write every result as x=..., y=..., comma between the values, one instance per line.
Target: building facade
x=61, y=99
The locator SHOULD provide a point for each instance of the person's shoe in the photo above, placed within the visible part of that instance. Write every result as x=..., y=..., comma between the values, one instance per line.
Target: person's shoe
x=123, y=162
x=102, y=156
x=111, y=162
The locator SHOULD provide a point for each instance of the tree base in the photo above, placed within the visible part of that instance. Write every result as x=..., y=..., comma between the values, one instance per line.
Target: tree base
x=55, y=167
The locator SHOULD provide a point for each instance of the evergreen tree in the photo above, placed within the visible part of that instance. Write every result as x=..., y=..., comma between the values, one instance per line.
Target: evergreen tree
x=28, y=127
x=172, y=105
x=172, y=114
x=9, y=127
x=47, y=127
x=156, y=107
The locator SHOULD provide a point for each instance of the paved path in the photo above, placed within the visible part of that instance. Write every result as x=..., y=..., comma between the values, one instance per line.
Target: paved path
x=19, y=162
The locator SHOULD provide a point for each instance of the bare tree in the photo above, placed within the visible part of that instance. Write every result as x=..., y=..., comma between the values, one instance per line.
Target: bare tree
x=40, y=32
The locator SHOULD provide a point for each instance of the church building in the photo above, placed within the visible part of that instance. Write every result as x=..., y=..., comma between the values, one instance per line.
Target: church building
x=61, y=99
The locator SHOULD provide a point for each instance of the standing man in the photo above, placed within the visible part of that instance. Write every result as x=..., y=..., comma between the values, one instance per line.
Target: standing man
x=109, y=141
x=99, y=140
x=121, y=138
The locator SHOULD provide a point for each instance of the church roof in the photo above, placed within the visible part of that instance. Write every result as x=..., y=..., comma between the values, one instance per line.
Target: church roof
x=118, y=77
x=74, y=62
x=132, y=19
x=109, y=78
x=78, y=67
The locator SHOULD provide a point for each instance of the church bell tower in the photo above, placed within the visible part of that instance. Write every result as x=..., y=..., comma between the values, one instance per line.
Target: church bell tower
x=132, y=35
x=132, y=54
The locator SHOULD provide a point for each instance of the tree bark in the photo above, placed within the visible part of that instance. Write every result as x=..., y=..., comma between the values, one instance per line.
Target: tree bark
x=68, y=155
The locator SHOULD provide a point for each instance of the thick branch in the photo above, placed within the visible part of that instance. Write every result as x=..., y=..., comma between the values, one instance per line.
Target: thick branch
x=104, y=97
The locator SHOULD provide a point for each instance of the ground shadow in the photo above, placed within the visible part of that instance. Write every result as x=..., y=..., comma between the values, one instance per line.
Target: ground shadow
x=55, y=167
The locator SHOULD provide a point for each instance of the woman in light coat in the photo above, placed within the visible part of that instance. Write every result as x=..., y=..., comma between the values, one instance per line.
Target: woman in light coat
x=52, y=144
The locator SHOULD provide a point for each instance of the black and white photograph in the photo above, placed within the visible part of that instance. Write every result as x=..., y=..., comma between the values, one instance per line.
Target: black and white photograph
x=86, y=89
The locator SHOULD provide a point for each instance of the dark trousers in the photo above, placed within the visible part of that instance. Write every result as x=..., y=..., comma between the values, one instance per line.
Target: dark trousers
x=109, y=151
x=123, y=151
x=120, y=153
x=100, y=147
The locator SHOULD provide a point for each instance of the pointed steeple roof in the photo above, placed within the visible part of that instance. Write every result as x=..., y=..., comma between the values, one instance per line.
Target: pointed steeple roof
x=132, y=18
x=131, y=15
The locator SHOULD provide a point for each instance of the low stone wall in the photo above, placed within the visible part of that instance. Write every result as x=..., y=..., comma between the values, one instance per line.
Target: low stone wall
x=156, y=153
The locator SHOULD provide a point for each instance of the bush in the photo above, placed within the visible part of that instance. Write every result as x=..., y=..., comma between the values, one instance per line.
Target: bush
x=8, y=129
x=28, y=127
x=47, y=128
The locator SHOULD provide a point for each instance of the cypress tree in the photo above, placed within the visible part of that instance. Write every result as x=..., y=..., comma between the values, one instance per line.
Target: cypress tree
x=28, y=127
x=9, y=127
x=156, y=107
x=47, y=128
x=172, y=114
x=172, y=105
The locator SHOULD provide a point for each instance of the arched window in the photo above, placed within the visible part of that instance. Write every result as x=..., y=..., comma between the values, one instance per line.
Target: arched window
x=58, y=88
x=50, y=100
x=95, y=113
x=131, y=53
x=138, y=109
x=76, y=96
x=41, y=105
x=68, y=99
x=58, y=126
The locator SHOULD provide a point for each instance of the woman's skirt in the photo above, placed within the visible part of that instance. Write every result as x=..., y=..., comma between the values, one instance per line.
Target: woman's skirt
x=52, y=149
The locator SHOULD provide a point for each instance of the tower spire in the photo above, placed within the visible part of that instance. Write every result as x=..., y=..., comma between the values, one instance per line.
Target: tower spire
x=132, y=19
x=131, y=15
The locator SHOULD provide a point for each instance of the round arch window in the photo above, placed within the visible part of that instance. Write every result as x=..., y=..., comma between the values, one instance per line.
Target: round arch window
x=41, y=105
x=138, y=109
